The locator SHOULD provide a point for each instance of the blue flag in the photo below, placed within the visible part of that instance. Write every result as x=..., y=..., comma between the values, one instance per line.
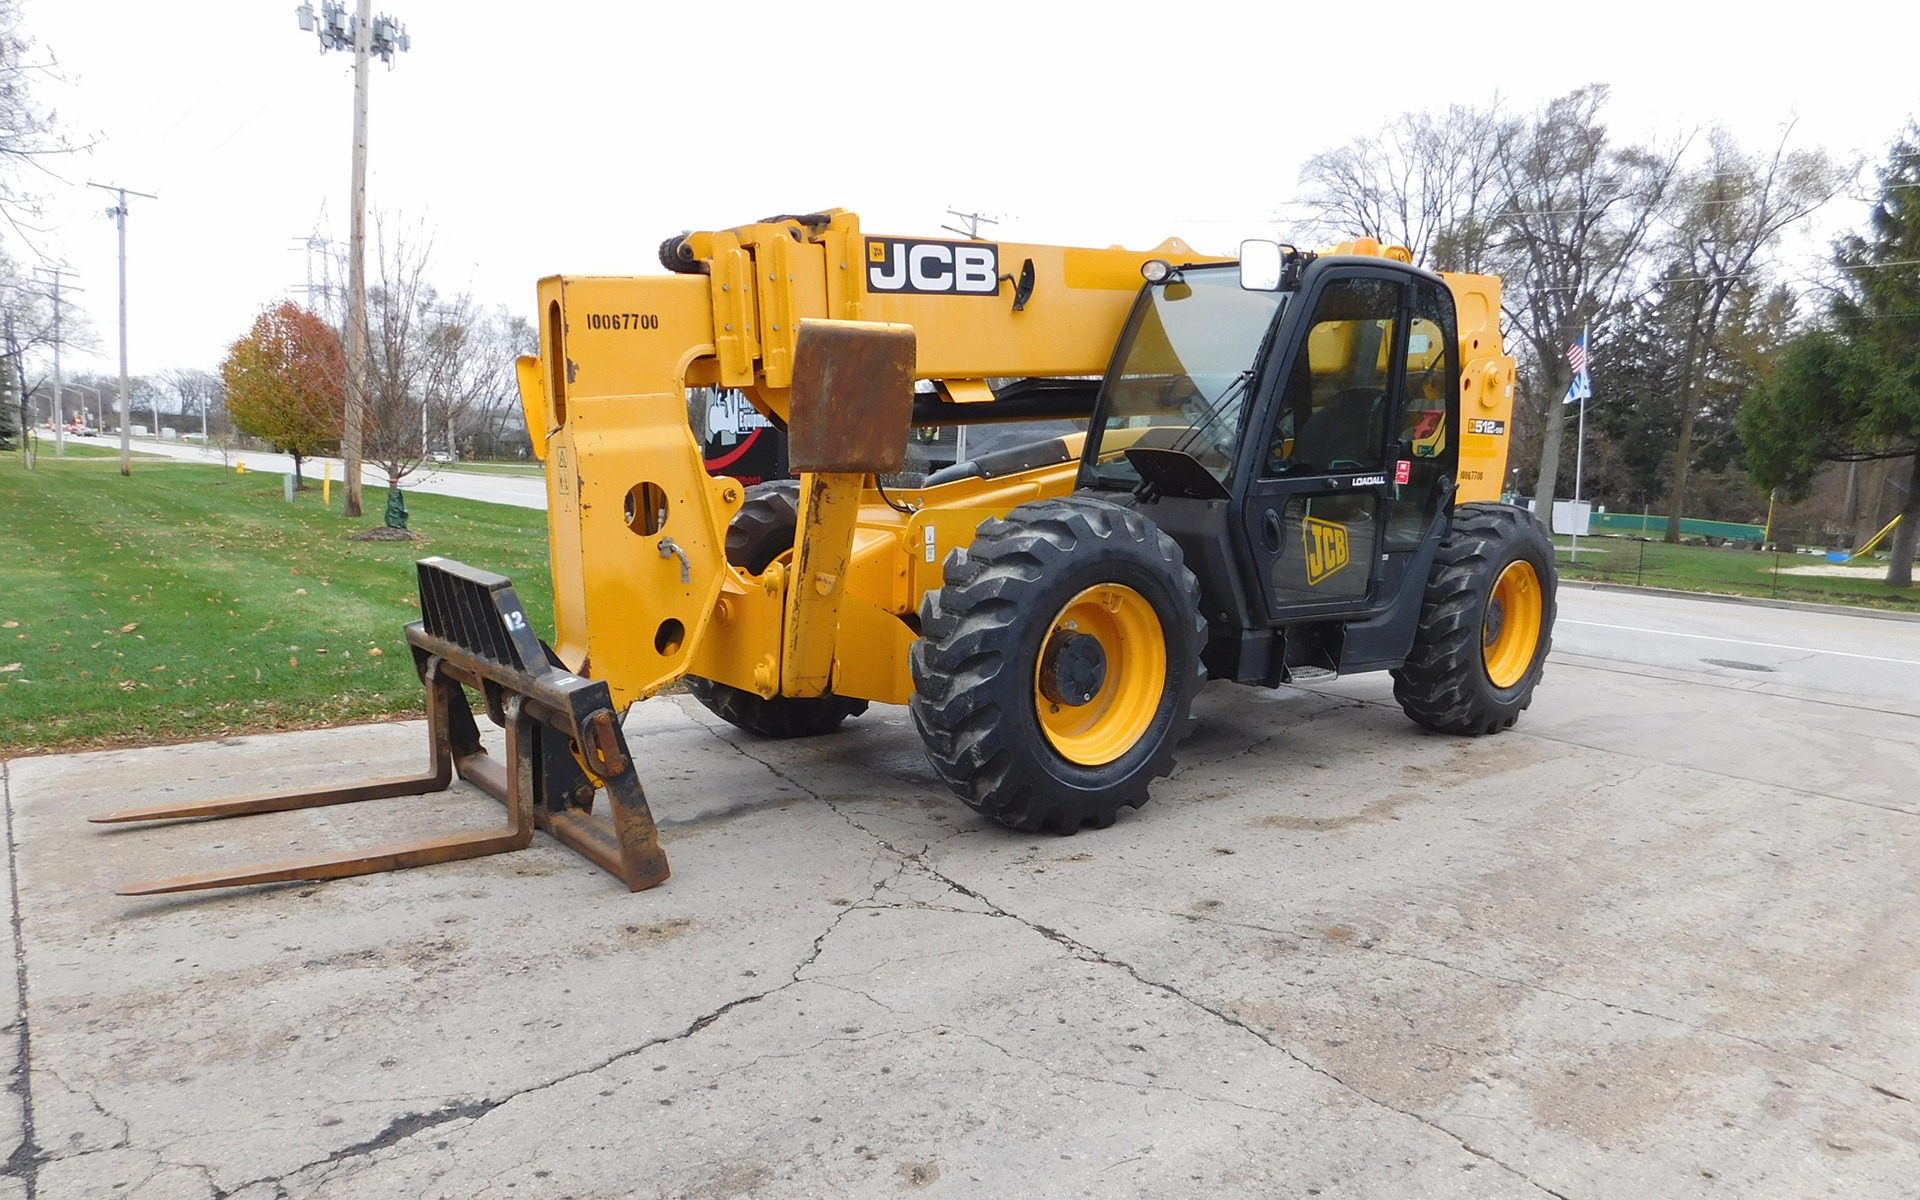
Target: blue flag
x=1582, y=387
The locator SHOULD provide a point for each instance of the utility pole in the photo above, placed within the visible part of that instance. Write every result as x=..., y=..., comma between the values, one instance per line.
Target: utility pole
x=119, y=214
x=974, y=222
x=15, y=378
x=365, y=36
x=59, y=394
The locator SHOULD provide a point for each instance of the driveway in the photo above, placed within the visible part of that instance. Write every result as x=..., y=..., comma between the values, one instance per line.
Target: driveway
x=1659, y=940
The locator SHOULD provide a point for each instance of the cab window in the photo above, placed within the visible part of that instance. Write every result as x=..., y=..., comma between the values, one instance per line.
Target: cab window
x=1338, y=398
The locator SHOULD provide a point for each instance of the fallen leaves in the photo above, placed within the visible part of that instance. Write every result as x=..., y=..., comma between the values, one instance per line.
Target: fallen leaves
x=10, y=667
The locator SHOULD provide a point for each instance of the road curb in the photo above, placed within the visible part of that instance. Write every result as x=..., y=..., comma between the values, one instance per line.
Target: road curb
x=1847, y=610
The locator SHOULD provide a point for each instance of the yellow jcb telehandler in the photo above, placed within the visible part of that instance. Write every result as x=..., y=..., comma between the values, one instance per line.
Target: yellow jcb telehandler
x=1288, y=471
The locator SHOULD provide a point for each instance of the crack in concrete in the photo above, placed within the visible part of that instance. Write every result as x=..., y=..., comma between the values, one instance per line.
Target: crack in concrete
x=404, y=1128
x=122, y=1142
x=1085, y=953
x=24, y=1163
x=205, y=1172
x=1613, y=1006
x=1259, y=746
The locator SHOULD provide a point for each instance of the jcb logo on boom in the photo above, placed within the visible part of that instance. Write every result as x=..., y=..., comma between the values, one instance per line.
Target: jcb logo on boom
x=933, y=268
x=1326, y=548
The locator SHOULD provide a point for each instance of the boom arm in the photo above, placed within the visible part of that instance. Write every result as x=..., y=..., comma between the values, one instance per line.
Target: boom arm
x=637, y=528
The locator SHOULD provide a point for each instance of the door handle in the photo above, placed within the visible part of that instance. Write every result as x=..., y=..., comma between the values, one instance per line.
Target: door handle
x=1270, y=529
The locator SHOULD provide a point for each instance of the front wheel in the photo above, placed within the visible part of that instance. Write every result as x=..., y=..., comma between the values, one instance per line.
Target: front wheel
x=1057, y=666
x=1486, y=623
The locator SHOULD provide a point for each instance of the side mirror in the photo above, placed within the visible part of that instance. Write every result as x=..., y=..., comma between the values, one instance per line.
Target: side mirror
x=1261, y=265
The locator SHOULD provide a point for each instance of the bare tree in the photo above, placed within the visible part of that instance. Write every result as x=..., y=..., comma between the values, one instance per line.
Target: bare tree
x=29, y=133
x=1427, y=182
x=26, y=323
x=1577, y=210
x=1730, y=212
x=495, y=424
x=198, y=393
x=433, y=359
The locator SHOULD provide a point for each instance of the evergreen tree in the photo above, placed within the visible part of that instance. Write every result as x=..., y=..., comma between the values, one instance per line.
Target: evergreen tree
x=1850, y=392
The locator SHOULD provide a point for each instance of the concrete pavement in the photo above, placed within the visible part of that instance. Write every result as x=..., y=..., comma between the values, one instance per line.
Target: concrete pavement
x=520, y=491
x=1657, y=941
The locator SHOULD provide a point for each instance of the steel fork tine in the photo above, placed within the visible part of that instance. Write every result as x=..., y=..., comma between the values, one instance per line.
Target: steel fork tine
x=519, y=833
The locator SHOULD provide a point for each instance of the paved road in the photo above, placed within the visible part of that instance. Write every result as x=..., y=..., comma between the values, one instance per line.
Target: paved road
x=1656, y=942
x=521, y=491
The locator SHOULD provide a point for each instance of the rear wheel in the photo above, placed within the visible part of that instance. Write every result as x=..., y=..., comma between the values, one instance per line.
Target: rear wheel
x=762, y=531
x=1486, y=623
x=1057, y=666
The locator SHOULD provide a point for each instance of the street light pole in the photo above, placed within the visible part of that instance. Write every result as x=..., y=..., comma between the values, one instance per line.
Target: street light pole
x=365, y=36
x=83, y=388
x=119, y=214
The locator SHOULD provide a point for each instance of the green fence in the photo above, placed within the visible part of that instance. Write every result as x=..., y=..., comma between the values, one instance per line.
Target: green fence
x=1652, y=526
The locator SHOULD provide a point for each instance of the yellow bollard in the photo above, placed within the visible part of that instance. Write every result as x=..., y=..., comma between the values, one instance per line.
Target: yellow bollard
x=326, y=483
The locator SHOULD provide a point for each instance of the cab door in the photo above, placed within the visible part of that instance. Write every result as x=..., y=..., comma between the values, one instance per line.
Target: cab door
x=1321, y=493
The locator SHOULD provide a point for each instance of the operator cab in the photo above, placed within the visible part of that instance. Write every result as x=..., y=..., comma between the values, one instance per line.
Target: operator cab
x=1291, y=422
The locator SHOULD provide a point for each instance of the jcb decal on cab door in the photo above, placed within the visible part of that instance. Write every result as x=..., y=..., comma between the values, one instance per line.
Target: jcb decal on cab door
x=1326, y=548
x=933, y=268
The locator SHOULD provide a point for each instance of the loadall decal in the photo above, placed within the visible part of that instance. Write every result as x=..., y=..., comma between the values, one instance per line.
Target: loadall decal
x=923, y=268
x=1326, y=548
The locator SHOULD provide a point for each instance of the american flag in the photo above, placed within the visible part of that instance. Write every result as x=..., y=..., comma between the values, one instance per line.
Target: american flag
x=1581, y=388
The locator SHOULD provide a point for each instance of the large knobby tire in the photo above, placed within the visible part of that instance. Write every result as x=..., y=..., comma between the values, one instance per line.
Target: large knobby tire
x=1485, y=625
x=1057, y=666
x=762, y=531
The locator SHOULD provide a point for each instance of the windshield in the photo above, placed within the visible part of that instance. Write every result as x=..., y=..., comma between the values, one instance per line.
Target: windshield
x=1184, y=373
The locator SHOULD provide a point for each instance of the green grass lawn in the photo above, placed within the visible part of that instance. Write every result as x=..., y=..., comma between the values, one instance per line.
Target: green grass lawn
x=1727, y=571
x=79, y=447
x=188, y=602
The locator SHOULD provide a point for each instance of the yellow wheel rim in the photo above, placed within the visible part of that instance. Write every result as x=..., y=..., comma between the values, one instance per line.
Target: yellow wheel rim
x=1122, y=710
x=1511, y=630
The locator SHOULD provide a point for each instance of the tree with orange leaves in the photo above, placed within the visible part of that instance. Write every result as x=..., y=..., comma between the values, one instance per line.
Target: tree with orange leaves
x=284, y=382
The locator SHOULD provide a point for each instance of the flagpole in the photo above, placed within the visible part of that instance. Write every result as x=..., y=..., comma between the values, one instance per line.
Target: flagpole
x=1580, y=441
x=1579, y=466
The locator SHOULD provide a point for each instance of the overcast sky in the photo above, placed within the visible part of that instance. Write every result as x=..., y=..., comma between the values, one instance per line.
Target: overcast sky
x=573, y=135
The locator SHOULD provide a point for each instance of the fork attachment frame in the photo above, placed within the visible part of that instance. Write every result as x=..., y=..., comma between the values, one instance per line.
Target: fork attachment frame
x=473, y=633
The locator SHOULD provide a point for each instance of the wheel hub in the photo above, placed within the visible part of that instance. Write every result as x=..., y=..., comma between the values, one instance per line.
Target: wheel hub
x=1495, y=622
x=1073, y=668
